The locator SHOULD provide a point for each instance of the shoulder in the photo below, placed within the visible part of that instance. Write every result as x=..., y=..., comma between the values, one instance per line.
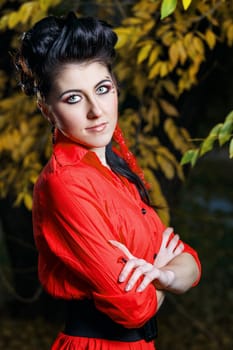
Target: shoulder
x=81, y=179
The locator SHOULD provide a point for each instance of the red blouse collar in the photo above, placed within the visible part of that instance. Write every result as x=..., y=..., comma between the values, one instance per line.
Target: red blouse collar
x=67, y=151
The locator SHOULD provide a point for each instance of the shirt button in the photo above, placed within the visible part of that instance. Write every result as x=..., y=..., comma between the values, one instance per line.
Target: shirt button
x=143, y=210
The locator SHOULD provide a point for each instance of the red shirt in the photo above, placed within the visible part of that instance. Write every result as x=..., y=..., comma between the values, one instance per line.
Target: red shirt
x=79, y=205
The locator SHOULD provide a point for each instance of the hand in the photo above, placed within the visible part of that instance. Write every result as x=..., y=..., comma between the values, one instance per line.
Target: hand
x=135, y=268
x=168, y=249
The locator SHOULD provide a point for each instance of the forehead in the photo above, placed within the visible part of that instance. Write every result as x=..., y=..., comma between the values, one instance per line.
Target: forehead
x=81, y=74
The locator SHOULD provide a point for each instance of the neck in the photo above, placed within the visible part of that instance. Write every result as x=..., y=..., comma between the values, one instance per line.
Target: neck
x=100, y=152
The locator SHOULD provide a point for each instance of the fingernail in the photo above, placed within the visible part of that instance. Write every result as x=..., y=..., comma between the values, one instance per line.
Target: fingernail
x=128, y=287
x=121, y=278
x=139, y=289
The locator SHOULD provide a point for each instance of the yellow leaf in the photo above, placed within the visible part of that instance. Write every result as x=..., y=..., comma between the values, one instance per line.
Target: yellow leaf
x=194, y=68
x=170, y=86
x=123, y=71
x=45, y=4
x=163, y=151
x=186, y=3
x=186, y=135
x=123, y=36
x=174, y=55
x=33, y=178
x=29, y=159
x=143, y=15
x=188, y=38
x=168, y=108
x=19, y=199
x=144, y=53
x=182, y=51
x=154, y=55
x=140, y=82
x=13, y=20
x=26, y=144
x=132, y=21
x=3, y=22
x=152, y=116
x=145, y=7
x=210, y=38
x=203, y=7
x=168, y=38
x=26, y=10
x=148, y=26
x=155, y=70
x=27, y=201
x=230, y=35
x=148, y=158
x=24, y=127
x=175, y=136
x=157, y=196
x=166, y=166
x=164, y=69
x=184, y=83
x=198, y=45
x=163, y=30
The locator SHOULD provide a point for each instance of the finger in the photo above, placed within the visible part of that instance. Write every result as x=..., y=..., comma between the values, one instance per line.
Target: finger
x=179, y=249
x=129, y=267
x=173, y=243
x=149, y=277
x=122, y=247
x=166, y=235
x=139, y=271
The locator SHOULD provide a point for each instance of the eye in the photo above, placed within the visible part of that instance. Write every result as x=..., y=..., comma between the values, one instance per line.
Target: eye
x=103, y=89
x=73, y=99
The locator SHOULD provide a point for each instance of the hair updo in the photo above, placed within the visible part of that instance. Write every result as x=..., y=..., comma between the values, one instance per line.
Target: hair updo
x=54, y=41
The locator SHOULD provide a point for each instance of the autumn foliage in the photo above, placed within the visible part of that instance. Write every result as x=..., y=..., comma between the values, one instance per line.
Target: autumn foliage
x=162, y=46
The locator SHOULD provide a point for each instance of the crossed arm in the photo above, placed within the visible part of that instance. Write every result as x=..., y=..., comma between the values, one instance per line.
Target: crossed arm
x=172, y=270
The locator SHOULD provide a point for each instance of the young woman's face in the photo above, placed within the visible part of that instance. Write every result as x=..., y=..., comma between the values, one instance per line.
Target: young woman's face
x=83, y=104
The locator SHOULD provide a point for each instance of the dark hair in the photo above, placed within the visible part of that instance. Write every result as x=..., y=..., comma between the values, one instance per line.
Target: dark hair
x=119, y=166
x=54, y=41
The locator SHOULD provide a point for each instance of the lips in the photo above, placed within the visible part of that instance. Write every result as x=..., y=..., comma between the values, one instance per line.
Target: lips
x=97, y=128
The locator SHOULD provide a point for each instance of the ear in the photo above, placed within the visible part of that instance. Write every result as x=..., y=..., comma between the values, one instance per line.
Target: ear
x=45, y=110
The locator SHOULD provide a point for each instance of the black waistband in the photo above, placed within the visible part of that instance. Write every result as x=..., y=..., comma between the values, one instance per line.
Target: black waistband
x=84, y=320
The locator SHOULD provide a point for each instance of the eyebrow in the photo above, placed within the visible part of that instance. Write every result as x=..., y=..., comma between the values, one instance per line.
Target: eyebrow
x=108, y=79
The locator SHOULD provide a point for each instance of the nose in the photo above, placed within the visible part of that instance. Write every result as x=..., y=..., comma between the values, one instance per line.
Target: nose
x=94, y=109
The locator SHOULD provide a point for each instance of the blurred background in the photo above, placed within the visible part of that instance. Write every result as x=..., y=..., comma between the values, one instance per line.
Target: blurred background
x=175, y=71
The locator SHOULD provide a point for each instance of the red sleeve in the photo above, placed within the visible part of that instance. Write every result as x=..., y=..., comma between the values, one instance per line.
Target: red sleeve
x=76, y=229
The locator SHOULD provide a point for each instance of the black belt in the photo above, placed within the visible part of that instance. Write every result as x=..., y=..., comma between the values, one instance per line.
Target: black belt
x=84, y=320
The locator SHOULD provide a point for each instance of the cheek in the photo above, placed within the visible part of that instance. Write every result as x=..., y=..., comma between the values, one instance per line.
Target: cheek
x=115, y=104
x=64, y=117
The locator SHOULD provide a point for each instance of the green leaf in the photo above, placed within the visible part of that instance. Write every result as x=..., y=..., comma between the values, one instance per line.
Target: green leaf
x=190, y=156
x=216, y=129
x=231, y=149
x=225, y=132
x=229, y=117
x=168, y=7
x=207, y=144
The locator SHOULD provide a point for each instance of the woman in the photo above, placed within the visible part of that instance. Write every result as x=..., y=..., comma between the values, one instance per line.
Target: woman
x=101, y=245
